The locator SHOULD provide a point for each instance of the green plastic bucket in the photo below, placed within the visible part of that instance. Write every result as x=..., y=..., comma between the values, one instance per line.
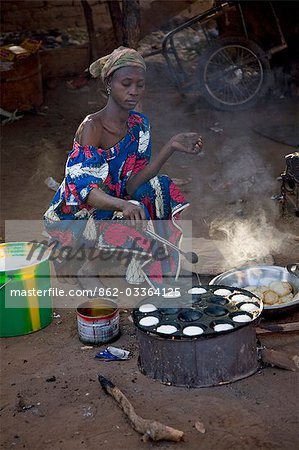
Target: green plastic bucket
x=25, y=295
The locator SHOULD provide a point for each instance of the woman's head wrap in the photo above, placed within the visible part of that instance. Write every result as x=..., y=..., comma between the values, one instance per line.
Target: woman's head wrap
x=120, y=57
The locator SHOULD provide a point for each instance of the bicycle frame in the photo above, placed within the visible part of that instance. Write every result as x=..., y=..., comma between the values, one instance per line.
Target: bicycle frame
x=181, y=78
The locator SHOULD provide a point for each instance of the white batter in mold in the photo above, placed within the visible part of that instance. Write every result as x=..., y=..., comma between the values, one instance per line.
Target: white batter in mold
x=249, y=307
x=167, y=329
x=242, y=298
x=192, y=331
x=222, y=292
x=197, y=290
x=147, y=308
x=242, y=318
x=149, y=321
x=223, y=327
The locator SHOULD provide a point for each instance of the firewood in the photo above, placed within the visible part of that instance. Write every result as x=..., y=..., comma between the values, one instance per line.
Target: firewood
x=278, y=328
x=278, y=359
x=150, y=429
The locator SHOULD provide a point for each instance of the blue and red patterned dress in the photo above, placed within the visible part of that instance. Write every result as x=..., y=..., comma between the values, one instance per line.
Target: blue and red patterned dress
x=89, y=167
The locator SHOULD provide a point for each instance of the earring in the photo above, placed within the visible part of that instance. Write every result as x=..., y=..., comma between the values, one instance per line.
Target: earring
x=108, y=90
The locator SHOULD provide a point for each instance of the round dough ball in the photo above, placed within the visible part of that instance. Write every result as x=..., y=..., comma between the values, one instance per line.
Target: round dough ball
x=270, y=297
x=286, y=298
x=296, y=296
x=260, y=291
x=282, y=288
x=263, y=289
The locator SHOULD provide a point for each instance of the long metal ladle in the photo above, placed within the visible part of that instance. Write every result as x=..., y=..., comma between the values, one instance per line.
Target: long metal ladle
x=190, y=256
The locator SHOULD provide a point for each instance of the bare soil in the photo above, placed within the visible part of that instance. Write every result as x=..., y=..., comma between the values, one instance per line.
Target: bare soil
x=234, y=180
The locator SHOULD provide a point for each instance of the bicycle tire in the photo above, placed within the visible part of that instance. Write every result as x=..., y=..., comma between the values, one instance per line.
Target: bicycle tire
x=233, y=74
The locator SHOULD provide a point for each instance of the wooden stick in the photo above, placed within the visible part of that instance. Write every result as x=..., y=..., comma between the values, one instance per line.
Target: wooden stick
x=278, y=328
x=116, y=19
x=150, y=429
x=278, y=359
x=93, y=44
x=131, y=23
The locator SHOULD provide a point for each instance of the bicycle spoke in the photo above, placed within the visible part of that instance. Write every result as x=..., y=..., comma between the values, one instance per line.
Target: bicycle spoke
x=250, y=90
x=234, y=95
x=226, y=59
x=242, y=95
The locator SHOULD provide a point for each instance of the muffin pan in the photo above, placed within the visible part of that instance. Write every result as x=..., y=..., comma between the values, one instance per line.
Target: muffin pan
x=216, y=310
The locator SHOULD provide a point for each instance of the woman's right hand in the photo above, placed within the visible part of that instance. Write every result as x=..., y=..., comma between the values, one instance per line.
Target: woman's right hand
x=133, y=212
x=187, y=143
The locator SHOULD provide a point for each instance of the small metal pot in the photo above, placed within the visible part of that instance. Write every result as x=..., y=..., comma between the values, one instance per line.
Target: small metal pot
x=98, y=321
x=259, y=276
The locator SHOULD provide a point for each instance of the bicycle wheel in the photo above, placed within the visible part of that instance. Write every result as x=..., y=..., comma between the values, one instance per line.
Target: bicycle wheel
x=233, y=74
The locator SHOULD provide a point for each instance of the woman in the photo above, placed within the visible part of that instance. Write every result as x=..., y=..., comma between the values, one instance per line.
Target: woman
x=110, y=165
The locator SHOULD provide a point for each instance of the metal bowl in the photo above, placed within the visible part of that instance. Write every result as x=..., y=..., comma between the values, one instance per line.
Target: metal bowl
x=261, y=276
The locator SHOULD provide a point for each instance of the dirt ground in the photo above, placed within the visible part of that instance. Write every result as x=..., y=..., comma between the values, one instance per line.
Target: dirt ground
x=233, y=181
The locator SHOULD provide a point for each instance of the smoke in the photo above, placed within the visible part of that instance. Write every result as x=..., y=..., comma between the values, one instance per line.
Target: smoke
x=50, y=156
x=246, y=240
x=244, y=171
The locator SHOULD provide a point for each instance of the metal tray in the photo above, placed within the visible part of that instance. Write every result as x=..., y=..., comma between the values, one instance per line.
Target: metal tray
x=256, y=276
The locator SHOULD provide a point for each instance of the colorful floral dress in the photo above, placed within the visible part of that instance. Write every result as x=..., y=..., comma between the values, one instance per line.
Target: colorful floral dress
x=88, y=168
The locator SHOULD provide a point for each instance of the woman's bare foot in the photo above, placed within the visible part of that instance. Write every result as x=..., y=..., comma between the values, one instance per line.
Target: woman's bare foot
x=89, y=280
x=66, y=275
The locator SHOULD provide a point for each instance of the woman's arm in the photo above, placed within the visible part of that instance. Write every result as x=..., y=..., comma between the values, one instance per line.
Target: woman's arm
x=100, y=200
x=183, y=142
x=150, y=170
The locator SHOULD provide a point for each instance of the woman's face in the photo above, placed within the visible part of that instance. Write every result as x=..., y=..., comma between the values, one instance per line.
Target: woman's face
x=127, y=86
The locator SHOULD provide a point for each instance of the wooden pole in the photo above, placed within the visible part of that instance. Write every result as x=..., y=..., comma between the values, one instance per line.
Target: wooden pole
x=93, y=46
x=116, y=19
x=131, y=23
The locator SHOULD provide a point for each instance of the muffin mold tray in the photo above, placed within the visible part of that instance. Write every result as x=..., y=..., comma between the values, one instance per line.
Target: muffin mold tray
x=218, y=310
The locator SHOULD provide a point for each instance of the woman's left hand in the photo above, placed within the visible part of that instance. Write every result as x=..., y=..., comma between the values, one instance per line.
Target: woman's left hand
x=187, y=143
